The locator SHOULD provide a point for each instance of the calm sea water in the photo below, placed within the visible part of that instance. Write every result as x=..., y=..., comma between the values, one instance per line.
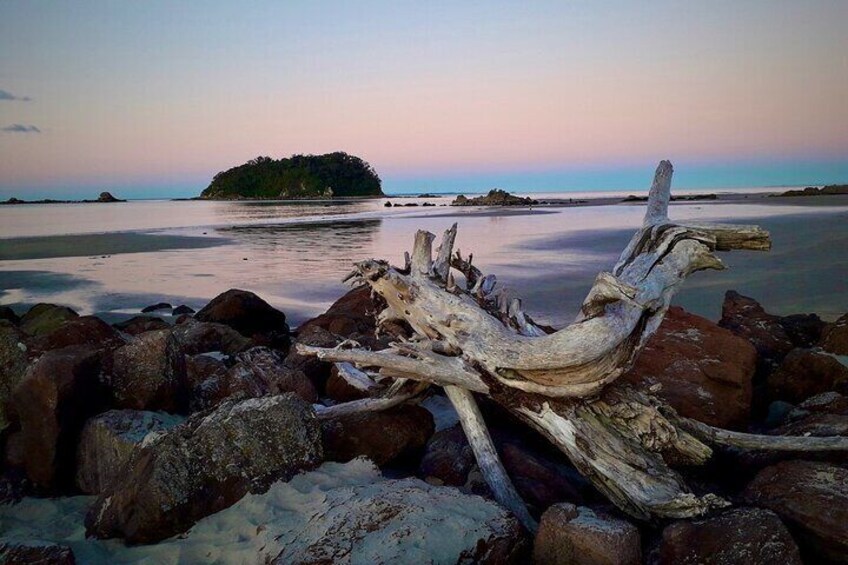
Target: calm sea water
x=114, y=259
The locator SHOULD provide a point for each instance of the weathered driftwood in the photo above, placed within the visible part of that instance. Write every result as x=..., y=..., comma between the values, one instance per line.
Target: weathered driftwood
x=478, y=339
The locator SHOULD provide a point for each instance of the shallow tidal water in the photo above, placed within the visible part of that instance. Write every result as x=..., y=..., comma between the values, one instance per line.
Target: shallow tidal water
x=114, y=259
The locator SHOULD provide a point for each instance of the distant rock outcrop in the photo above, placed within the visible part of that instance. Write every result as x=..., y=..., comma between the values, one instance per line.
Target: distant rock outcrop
x=496, y=197
x=830, y=189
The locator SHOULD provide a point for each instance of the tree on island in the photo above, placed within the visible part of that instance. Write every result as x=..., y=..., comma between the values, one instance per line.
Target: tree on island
x=299, y=176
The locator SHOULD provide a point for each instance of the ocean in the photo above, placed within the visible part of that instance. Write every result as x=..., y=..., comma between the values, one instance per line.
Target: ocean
x=113, y=259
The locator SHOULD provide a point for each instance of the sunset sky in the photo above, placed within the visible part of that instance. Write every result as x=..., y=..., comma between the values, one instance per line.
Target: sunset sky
x=150, y=99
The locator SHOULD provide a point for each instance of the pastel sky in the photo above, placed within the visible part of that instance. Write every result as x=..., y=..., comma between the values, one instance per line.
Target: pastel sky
x=152, y=98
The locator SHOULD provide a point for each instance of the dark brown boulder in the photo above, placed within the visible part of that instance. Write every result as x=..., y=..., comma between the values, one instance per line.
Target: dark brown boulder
x=85, y=330
x=9, y=315
x=704, y=371
x=35, y=552
x=202, y=337
x=140, y=324
x=207, y=464
x=13, y=365
x=351, y=316
x=746, y=318
x=812, y=500
x=835, y=337
x=381, y=436
x=107, y=443
x=43, y=318
x=205, y=379
x=804, y=330
x=340, y=390
x=743, y=535
x=59, y=392
x=149, y=373
x=316, y=370
x=448, y=458
x=571, y=534
x=805, y=373
x=250, y=316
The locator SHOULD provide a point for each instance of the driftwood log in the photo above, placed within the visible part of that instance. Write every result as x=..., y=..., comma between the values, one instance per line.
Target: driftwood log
x=471, y=338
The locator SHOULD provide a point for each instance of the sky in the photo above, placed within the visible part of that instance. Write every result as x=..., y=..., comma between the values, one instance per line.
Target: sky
x=151, y=99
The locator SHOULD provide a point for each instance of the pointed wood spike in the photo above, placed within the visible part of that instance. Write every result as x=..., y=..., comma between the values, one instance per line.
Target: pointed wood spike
x=660, y=195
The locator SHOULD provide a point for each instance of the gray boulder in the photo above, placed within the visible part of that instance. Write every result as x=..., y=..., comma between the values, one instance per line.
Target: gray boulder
x=107, y=443
x=207, y=464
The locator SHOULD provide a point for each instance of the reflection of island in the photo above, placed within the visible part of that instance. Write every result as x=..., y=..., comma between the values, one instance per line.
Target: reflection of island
x=104, y=197
x=334, y=244
x=332, y=175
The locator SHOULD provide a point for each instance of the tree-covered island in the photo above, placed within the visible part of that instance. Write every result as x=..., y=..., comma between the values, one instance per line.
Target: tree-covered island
x=300, y=176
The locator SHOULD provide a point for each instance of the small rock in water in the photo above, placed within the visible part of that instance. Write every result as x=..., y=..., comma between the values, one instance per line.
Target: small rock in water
x=156, y=307
x=182, y=309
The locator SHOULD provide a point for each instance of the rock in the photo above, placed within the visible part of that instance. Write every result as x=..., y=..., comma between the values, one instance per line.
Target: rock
x=495, y=197
x=805, y=373
x=804, y=330
x=140, y=324
x=14, y=486
x=207, y=464
x=107, y=442
x=448, y=458
x=340, y=390
x=156, y=307
x=202, y=337
x=182, y=309
x=148, y=373
x=704, y=371
x=43, y=318
x=59, y=392
x=380, y=436
x=107, y=197
x=579, y=535
x=201, y=368
x=14, y=451
x=9, y=315
x=746, y=318
x=812, y=500
x=743, y=535
x=250, y=316
x=85, y=330
x=258, y=372
x=13, y=365
x=541, y=481
x=351, y=316
x=395, y=521
x=316, y=370
x=35, y=552
x=835, y=337
x=827, y=402
x=819, y=425
x=388, y=204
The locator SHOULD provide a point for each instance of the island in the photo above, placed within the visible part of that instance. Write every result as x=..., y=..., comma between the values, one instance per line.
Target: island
x=332, y=175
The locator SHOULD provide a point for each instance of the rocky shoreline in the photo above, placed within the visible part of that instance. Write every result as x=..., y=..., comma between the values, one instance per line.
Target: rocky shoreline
x=169, y=426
